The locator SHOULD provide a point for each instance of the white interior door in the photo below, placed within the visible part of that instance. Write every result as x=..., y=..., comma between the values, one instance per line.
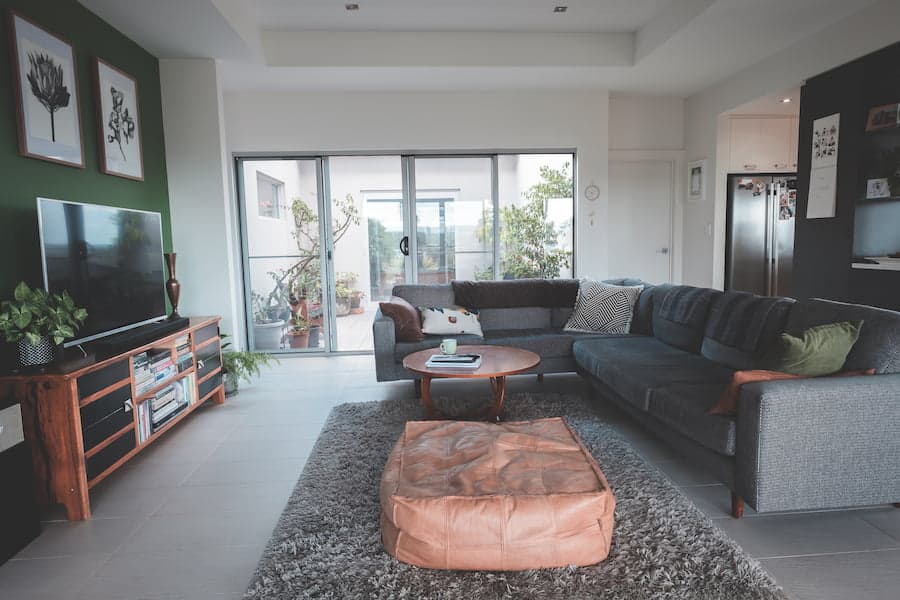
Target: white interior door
x=641, y=194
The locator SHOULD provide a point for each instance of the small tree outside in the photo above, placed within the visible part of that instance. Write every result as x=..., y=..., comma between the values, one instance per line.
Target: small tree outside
x=529, y=242
x=303, y=279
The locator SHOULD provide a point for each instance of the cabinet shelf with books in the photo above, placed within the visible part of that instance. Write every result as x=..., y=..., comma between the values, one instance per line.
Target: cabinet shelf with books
x=111, y=408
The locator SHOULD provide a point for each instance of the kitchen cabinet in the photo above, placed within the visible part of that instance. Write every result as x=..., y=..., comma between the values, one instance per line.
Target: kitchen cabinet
x=762, y=144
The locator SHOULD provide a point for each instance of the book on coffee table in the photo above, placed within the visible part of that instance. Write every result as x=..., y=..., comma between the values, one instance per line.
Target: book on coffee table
x=462, y=361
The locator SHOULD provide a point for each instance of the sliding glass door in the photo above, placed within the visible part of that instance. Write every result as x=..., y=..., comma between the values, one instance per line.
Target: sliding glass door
x=453, y=218
x=283, y=246
x=326, y=238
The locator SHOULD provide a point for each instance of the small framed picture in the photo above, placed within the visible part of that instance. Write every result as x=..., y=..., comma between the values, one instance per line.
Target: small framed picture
x=883, y=117
x=46, y=89
x=118, y=122
x=697, y=181
x=877, y=188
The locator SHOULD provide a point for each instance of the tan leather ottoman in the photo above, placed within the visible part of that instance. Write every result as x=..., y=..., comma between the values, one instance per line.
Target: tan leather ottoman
x=485, y=496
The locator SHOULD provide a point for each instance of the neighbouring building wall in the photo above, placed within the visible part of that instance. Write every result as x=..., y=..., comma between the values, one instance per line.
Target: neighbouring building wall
x=25, y=179
x=285, y=122
x=203, y=229
x=704, y=223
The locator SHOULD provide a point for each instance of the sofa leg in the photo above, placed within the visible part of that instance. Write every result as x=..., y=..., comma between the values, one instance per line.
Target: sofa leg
x=418, y=386
x=737, y=506
x=540, y=377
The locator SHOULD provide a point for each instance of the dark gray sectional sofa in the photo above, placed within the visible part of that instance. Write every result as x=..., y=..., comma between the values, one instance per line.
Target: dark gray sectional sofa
x=794, y=445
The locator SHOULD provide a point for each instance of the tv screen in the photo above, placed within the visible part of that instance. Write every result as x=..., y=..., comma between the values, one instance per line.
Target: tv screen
x=109, y=259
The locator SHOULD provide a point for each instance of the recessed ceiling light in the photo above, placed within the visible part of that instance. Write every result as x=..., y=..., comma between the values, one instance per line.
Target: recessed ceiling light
x=351, y=6
x=560, y=9
x=785, y=100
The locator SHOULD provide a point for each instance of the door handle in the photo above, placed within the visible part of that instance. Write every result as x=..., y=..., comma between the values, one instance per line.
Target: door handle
x=662, y=251
x=404, y=245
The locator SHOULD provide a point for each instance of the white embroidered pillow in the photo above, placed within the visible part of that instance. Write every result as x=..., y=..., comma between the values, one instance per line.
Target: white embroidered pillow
x=604, y=308
x=449, y=321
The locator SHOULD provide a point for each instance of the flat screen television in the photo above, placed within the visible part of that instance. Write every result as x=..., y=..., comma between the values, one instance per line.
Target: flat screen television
x=109, y=259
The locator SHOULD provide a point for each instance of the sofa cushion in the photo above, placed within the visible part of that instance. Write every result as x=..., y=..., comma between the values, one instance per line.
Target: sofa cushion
x=878, y=346
x=635, y=366
x=516, y=293
x=406, y=317
x=437, y=294
x=402, y=349
x=740, y=325
x=603, y=307
x=547, y=343
x=560, y=316
x=680, y=318
x=820, y=350
x=522, y=317
x=684, y=407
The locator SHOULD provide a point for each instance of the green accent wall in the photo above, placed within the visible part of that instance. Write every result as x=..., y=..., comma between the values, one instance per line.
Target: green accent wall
x=22, y=179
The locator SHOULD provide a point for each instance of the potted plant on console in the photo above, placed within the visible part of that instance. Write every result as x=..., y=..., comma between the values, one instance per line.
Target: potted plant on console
x=37, y=322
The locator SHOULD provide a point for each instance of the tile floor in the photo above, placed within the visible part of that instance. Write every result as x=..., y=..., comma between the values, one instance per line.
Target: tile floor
x=189, y=517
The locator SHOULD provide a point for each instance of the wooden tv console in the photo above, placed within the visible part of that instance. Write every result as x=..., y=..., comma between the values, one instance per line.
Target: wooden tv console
x=82, y=422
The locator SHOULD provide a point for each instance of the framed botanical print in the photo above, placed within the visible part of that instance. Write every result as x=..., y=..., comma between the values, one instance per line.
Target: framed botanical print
x=118, y=122
x=46, y=87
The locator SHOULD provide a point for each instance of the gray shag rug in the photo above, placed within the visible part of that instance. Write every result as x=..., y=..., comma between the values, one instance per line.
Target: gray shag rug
x=327, y=543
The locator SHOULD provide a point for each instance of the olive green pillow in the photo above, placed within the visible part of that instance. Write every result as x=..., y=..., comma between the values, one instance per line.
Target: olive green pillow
x=819, y=350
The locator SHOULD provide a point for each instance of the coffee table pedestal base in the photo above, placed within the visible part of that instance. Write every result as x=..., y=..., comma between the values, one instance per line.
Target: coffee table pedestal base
x=492, y=413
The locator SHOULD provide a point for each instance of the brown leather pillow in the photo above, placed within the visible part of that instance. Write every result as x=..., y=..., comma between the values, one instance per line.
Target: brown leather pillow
x=407, y=322
x=728, y=402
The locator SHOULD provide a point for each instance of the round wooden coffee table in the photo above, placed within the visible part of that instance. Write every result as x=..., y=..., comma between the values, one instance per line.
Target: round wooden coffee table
x=496, y=363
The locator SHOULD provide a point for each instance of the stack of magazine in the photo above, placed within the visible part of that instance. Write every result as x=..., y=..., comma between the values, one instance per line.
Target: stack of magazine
x=454, y=361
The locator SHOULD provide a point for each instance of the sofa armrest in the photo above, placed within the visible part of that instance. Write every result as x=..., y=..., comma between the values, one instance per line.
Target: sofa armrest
x=384, y=340
x=819, y=443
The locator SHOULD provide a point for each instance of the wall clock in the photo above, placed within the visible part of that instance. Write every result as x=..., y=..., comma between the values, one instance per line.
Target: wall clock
x=592, y=192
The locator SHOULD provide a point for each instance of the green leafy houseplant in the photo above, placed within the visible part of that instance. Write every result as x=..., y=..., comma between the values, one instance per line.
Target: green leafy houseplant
x=35, y=314
x=238, y=365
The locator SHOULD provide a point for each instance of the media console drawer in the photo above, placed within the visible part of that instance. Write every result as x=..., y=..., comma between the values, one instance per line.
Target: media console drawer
x=106, y=457
x=92, y=383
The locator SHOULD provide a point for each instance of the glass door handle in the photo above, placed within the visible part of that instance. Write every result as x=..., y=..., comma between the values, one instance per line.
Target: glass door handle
x=404, y=245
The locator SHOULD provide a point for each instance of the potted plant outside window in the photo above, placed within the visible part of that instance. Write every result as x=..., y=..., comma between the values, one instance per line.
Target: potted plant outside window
x=268, y=324
x=298, y=334
x=37, y=322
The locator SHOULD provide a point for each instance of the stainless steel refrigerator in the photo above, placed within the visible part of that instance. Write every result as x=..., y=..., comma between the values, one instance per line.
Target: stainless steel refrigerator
x=759, y=250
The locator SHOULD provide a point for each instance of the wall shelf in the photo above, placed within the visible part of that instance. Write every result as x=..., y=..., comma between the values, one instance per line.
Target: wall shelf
x=876, y=266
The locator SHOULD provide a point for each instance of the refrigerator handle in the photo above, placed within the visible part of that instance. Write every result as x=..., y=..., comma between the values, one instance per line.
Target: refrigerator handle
x=770, y=238
x=776, y=200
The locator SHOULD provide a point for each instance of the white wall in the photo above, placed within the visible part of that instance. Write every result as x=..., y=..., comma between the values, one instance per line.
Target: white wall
x=638, y=122
x=202, y=222
x=704, y=223
x=406, y=122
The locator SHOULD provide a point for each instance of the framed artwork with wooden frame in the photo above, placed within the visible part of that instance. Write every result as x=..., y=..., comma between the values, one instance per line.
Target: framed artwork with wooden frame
x=118, y=122
x=45, y=81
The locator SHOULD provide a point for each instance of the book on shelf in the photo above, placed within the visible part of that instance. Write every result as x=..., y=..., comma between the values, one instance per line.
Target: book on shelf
x=185, y=361
x=454, y=361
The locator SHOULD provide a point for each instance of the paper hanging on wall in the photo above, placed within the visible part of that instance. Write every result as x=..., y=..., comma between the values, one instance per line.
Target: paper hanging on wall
x=823, y=172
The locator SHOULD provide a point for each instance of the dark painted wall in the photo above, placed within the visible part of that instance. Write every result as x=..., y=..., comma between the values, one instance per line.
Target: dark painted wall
x=24, y=179
x=823, y=248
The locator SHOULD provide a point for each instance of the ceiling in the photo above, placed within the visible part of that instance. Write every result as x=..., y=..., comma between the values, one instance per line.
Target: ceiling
x=673, y=47
x=457, y=15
